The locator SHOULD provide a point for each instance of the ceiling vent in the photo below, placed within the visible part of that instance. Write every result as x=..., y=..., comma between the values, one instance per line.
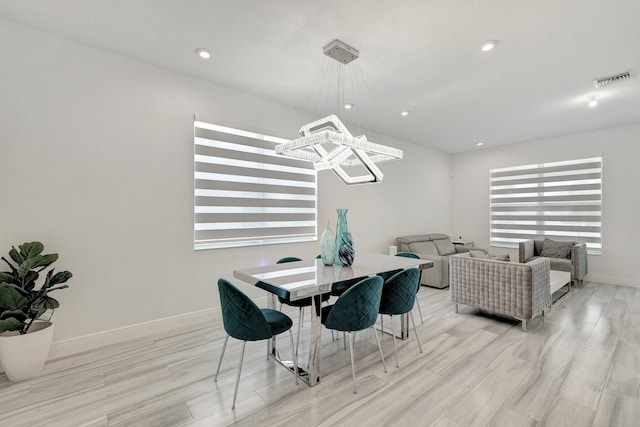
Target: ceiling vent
x=605, y=81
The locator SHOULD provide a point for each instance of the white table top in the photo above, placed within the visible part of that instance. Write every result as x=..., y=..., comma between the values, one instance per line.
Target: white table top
x=311, y=277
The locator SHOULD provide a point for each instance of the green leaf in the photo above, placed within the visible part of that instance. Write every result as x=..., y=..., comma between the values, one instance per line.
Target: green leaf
x=30, y=250
x=16, y=256
x=47, y=260
x=50, y=303
x=8, y=278
x=17, y=314
x=30, y=280
x=10, y=324
x=60, y=277
x=28, y=265
x=10, y=299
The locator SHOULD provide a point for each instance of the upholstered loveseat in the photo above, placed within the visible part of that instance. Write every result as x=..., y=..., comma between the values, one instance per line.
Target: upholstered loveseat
x=436, y=247
x=508, y=288
x=564, y=256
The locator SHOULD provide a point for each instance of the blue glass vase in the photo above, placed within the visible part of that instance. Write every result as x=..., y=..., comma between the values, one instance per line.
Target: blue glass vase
x=341, y=228
x=327, y=246
x=346, y=252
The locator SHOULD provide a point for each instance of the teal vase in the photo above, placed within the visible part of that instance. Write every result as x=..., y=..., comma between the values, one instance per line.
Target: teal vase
x=341, y=228
x=346, y=253
x=327, y=246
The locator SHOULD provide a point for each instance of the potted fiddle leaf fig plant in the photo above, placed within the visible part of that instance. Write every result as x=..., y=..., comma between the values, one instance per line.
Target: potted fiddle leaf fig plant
x=24, y=338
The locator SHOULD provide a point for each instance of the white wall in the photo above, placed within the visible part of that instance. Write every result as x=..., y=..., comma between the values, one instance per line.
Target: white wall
x=621, y=199
x=96, y=162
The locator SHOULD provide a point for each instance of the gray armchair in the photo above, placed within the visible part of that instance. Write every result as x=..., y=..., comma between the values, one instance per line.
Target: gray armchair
x=508, y=288
x=576, y=264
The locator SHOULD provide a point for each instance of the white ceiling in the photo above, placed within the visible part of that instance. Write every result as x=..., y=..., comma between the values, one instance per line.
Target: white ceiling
x=420, y=55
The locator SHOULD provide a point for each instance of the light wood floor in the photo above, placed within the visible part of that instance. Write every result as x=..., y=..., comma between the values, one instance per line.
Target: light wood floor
x=580, y=366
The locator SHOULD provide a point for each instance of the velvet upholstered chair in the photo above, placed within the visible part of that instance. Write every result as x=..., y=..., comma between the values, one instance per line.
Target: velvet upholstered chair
x=414, y=256
x=388, y=274
x=398, y=297
x=355, y=310
x=243, y=320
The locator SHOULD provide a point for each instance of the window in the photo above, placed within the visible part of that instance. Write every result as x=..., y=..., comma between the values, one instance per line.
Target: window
x=559, y=200
x=245, y=194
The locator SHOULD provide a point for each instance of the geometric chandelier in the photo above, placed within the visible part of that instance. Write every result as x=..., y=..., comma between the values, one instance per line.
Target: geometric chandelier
x=329, y=145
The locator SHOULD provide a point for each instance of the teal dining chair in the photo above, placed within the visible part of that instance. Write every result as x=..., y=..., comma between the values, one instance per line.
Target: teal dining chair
x=398, y=297
x=243, y=320
x=300, y=303
x=412, y=255
x=355, y=310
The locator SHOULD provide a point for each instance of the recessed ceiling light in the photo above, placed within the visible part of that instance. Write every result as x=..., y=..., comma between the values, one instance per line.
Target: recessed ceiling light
x=348, y=106
x=404, y=113
x=203, y=53
x=479, y=144
x=593, y=100
x=489, y=45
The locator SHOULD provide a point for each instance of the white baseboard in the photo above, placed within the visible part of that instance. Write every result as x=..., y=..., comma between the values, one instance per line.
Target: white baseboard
x=180, y=322
x=140, y=330
x=132, y=332
x=612, y=280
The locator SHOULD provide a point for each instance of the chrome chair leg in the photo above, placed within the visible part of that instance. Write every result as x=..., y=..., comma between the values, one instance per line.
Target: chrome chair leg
x=344, y=339
x=235, y=393
x=415, y=331
x=224, y=347
x=380, y=350
x=381, y=325
x=419, y=310
x=353, y=365
x=294, y=352
x=300, y=313
x=302, y=316
x=393, y=334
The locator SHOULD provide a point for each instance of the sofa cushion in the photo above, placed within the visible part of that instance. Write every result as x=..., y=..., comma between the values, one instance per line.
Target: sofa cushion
x=553, y=249
x=479, y=254
x=428, y=248
x=404, y=242
x=560, y=264
x=500, y=257
x=445, y=247
x=485, y=255
x=438, y=236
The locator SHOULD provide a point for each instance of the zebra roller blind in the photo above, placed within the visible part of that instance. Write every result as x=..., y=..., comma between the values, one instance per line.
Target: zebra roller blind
x=559, y=200
x=245, y=194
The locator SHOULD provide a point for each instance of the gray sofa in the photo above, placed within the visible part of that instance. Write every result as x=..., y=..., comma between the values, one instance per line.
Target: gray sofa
x=508, y=288
x=436, y=247
x=576, y=263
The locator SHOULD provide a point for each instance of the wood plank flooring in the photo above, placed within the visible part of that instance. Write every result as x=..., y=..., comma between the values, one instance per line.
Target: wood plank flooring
x=579, y=366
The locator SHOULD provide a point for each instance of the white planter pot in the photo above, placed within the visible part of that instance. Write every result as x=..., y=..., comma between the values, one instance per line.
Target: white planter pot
x=23, y=356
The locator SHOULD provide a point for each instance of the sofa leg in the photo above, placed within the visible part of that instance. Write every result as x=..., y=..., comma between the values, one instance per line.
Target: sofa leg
x=456, y=308
x=524, y=325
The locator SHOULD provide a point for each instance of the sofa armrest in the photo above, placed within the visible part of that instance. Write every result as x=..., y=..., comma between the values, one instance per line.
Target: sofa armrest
x=525, y=250
x=540, y=285
x=438, y=275
x=579, y=260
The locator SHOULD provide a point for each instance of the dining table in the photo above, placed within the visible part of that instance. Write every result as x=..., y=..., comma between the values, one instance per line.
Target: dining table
x=311, y=278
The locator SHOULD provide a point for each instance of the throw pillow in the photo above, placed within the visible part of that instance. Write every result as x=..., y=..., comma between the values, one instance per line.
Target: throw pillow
x=500, y=257
x=553, y=249
x=486, y=255
x=479, y=254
